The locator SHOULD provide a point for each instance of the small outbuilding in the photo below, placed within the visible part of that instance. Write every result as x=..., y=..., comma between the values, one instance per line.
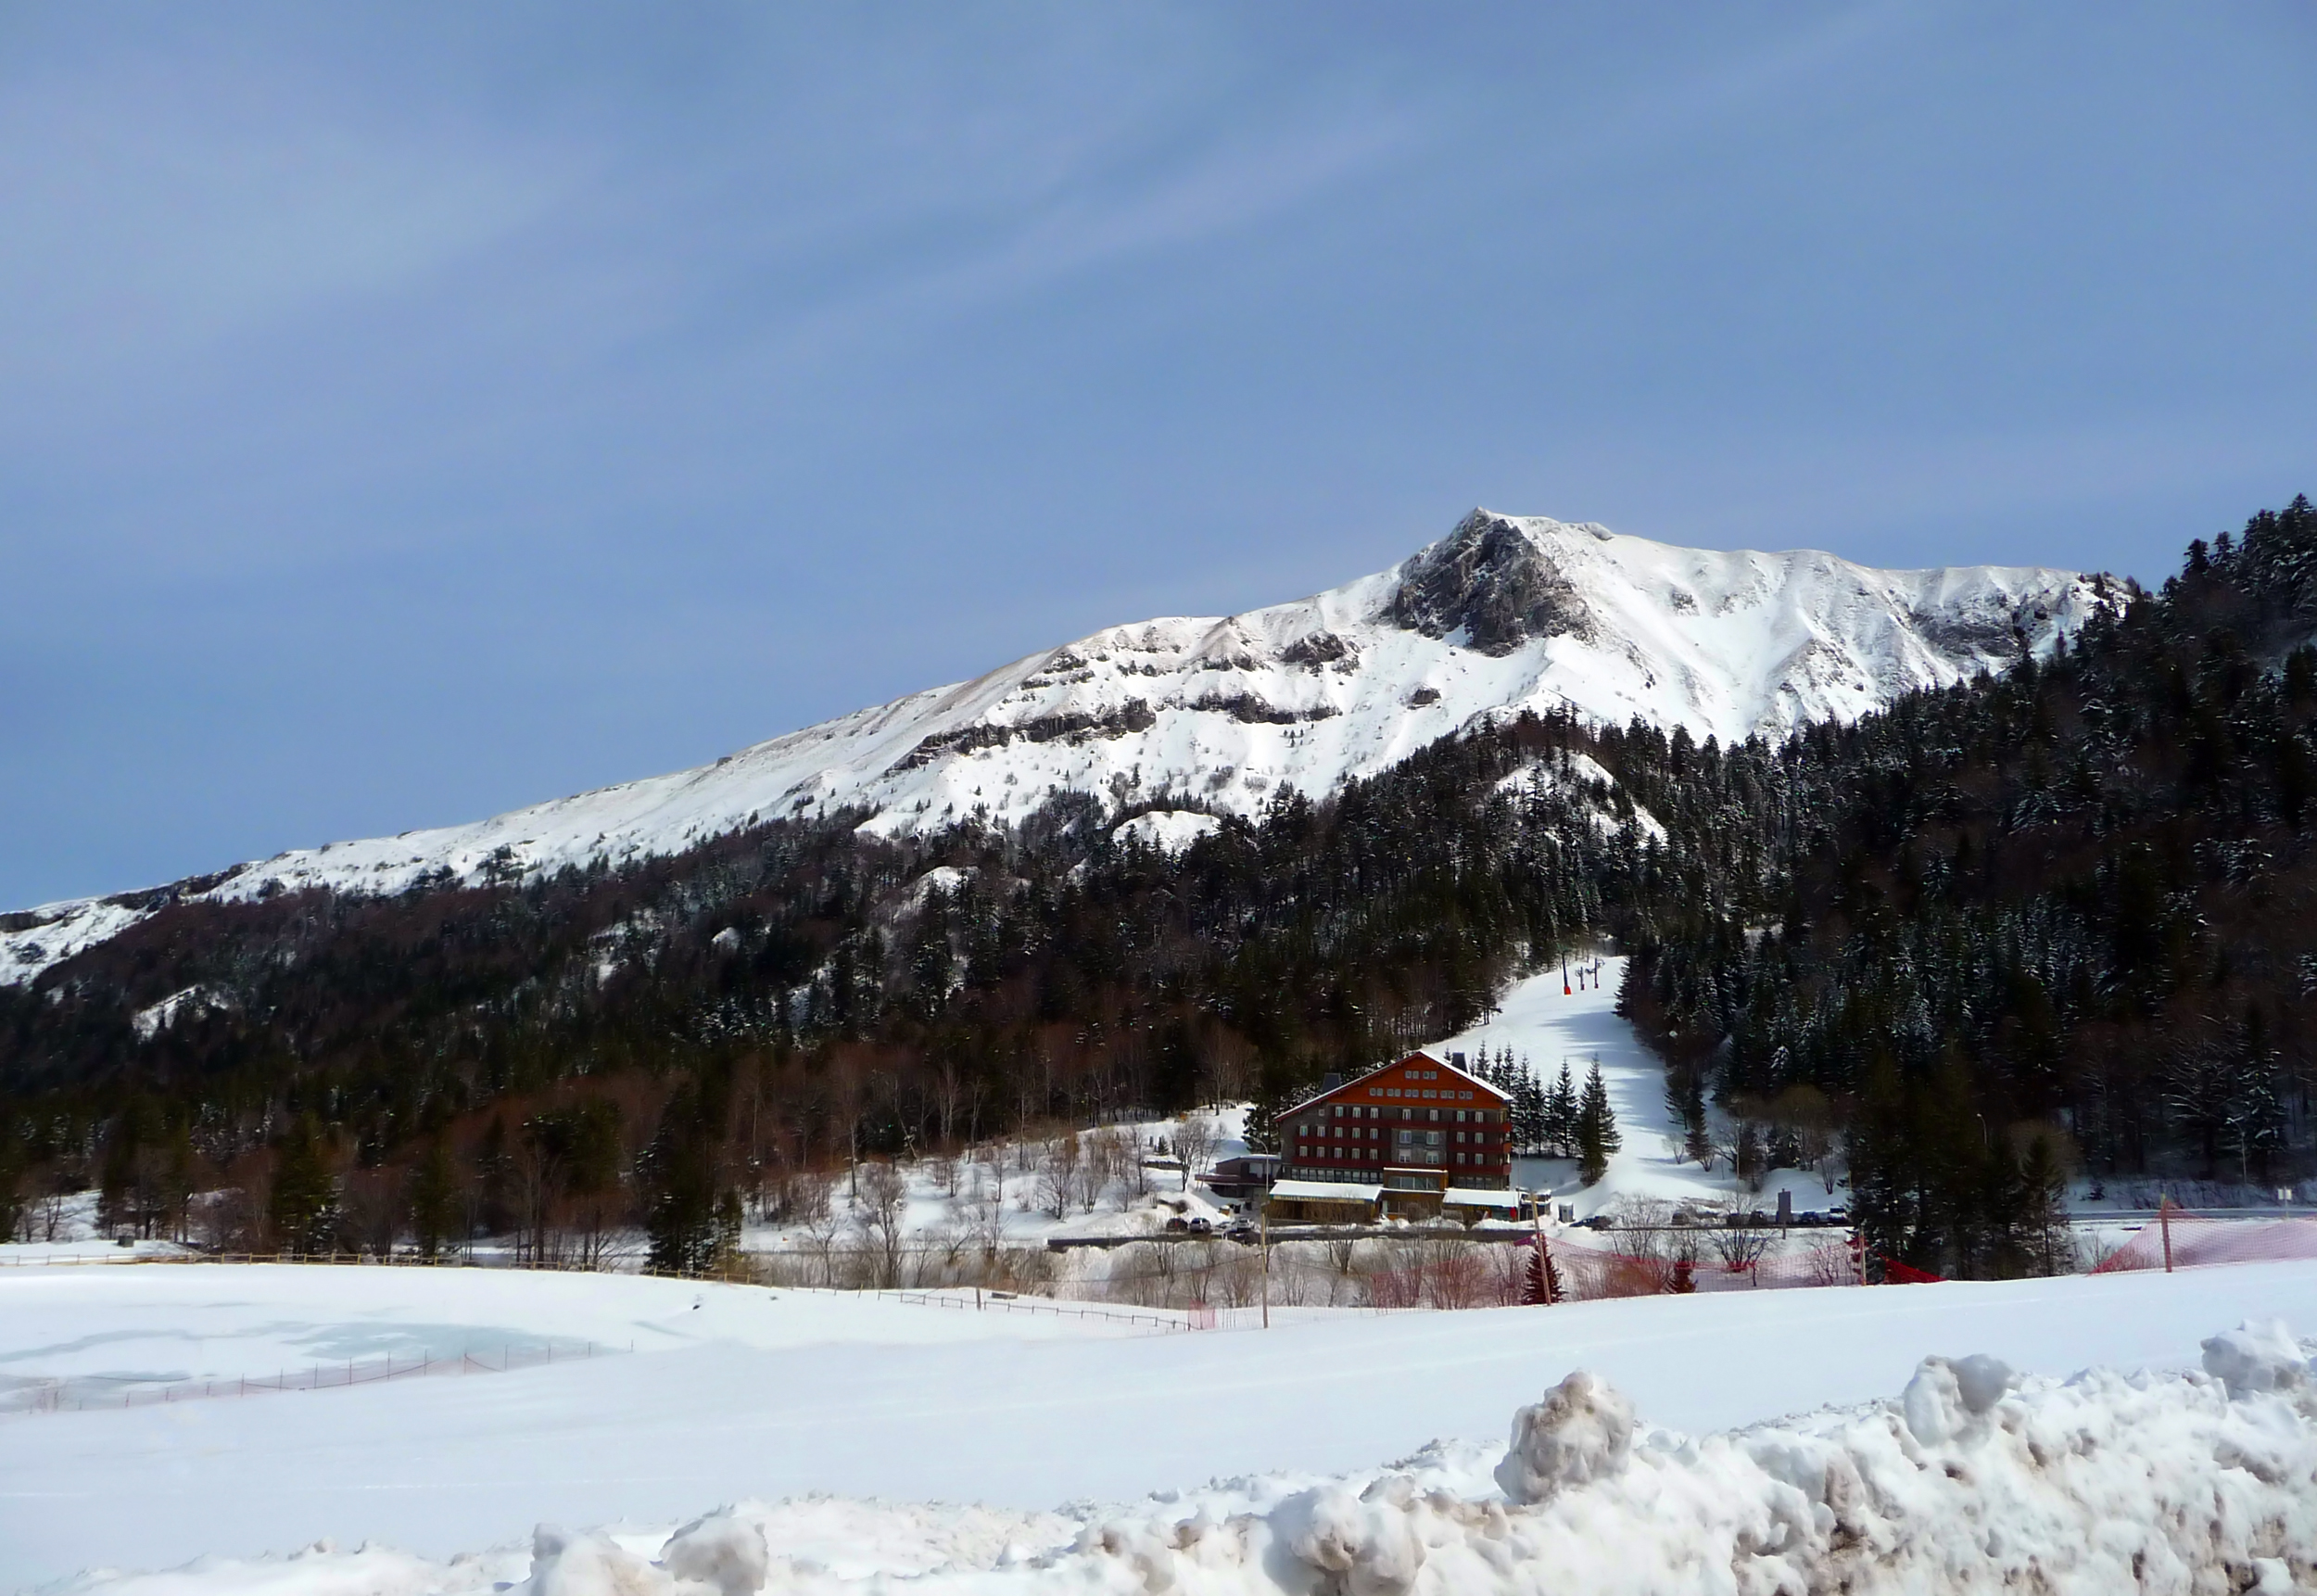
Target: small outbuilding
x=1322, y=1202
x=1469, y=1206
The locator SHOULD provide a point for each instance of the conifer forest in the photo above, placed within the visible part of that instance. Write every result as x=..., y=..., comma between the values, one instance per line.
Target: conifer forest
x=2055, y=922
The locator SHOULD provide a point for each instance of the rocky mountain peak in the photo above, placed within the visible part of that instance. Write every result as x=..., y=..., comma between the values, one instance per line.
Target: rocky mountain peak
x=1492, y=582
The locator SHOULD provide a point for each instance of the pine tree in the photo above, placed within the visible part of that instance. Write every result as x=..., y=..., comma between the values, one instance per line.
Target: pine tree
x=1685, y=1104
x=1559, y=1115
x=11, y=1176
x=1697, y=1140
x=679, y=1171
x=1528, y=1112
x=1597, y=1138
x=301, y=1206
x=729, y=1225
x=2043, y=1232
x=435, y=1199
x=1542, y=1287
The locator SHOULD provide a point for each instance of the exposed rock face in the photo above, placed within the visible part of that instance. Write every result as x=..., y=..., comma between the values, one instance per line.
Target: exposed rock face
x=1490, y=579
x=1217, y=714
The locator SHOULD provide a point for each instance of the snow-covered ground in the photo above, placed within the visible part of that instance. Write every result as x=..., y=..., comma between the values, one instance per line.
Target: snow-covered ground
x=1229, y=710
x=1538, y=1023
x=736, y=1394
x=1007, y=1194
x=62, y=1227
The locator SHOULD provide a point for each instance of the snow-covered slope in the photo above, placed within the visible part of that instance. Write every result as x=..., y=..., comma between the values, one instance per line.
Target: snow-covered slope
x=1502, y=613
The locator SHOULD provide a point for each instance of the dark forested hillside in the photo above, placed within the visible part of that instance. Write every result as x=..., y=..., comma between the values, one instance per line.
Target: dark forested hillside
x=2069, y=914
x=794, y=994
x=2059, y=919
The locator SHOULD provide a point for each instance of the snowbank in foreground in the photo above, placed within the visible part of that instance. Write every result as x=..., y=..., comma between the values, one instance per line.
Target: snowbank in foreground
x=1970, y=1480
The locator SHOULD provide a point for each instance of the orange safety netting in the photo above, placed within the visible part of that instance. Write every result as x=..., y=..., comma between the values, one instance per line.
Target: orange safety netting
x=2196, y=1241
x=1592, y=1274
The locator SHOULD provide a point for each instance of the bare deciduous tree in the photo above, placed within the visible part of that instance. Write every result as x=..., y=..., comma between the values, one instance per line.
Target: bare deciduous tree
x=882, y=1211
x=984, y=1206
x=820, y=1227
x=1739, y=1240
x=1194, y=1144
x=1135, y=1171
x=1057, y=1174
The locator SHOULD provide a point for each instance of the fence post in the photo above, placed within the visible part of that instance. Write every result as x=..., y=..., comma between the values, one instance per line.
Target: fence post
x=1263, y=1247
x=2164, y=1222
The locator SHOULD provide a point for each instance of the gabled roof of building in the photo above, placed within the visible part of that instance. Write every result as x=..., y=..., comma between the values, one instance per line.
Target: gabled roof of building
x=1390, y=1083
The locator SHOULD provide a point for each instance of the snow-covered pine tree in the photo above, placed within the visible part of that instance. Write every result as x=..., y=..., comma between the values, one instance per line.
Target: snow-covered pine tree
x=1560, y=1116
x=1597, y=1136
x=1528, y=1111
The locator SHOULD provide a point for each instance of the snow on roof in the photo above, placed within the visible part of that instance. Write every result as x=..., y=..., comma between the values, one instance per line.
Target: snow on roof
x=1324, y=1191
x=1468, y=1196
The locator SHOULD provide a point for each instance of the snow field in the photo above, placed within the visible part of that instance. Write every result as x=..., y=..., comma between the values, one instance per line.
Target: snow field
x=1550, y=1029
x=1973, y=1478
x=775, y=1397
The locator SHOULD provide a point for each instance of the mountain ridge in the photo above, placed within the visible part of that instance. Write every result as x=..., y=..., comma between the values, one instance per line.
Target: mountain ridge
x=1182, y=717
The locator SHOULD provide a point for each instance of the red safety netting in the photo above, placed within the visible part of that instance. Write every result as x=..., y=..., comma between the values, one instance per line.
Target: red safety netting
x=2196, y=1241
x=1590, y=1274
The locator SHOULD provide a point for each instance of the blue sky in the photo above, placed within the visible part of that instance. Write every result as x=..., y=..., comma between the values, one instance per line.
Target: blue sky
x=412, y=411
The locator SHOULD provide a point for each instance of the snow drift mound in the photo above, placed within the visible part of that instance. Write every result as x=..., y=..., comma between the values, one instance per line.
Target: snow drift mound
x=1971, y=1480
x=1968, y=1482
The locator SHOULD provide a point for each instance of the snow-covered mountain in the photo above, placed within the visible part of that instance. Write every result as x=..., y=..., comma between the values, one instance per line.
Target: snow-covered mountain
x=1222, y=713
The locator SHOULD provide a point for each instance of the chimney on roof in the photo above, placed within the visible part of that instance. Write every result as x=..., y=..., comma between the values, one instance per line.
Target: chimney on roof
x=1457, y=1059
x=1330, y=1080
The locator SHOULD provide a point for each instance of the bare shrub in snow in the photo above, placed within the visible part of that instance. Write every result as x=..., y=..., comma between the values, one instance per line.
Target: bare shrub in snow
x=1738, y=1240
x=1828, y=1262
x=1508, y=1272
x=1236, y=1279
x=984, y=1206
x=1654, y=1254
x=941, y=1167
x=1451, y=1273
x=1143, y=1274
x=938, y=1258
x=820, y=1228
x=223, y=1221
x=797, y=1196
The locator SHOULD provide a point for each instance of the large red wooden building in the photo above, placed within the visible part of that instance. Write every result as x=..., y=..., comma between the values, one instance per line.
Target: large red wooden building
x=1420, y=1126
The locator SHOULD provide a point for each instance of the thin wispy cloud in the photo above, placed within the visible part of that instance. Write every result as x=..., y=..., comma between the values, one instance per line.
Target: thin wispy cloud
x=411, y=413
